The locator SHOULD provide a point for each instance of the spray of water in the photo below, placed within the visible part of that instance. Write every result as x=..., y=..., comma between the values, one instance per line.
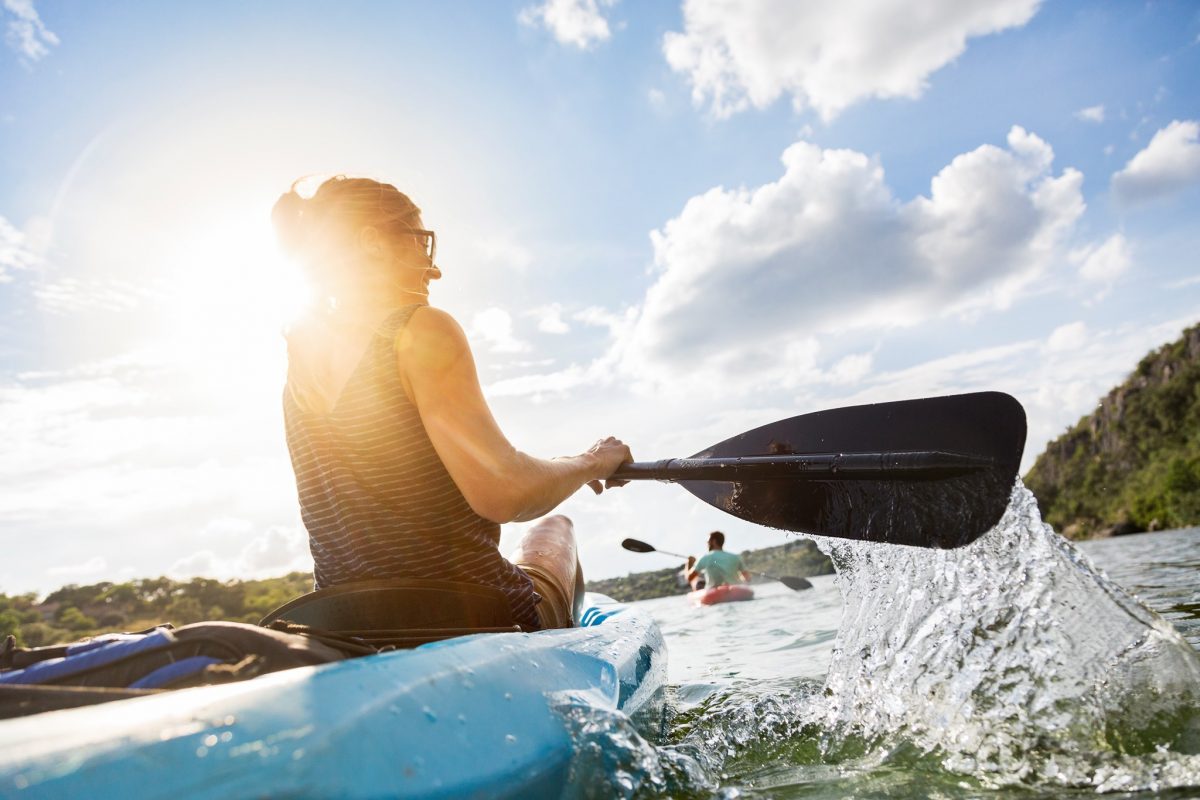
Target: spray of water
x=1012, y=662
x=1013, y=657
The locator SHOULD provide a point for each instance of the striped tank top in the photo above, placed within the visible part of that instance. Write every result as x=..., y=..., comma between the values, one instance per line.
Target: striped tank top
x=375, y=497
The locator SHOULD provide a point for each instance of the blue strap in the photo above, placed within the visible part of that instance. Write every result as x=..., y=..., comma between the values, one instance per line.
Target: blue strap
x=183, y=668
x=85, y=655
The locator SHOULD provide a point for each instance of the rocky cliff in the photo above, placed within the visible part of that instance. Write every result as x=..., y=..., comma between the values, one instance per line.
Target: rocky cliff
x=1134, y=463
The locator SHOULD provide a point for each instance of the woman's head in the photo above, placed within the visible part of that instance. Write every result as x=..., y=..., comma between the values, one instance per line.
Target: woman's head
x=351, y=233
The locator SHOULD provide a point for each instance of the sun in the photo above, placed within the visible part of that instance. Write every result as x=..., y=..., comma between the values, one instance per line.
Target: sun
x=227, y=295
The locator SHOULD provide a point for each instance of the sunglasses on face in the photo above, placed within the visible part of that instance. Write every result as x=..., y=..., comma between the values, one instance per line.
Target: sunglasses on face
x=426, y=240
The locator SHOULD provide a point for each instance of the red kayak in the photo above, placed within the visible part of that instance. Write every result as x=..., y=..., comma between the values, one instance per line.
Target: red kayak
x=725, y=593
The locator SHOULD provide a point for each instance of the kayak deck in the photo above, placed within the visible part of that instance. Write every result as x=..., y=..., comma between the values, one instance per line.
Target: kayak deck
x=479, y=715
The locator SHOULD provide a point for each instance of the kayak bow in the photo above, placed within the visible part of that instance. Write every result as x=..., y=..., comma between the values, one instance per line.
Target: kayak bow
x=479, y=716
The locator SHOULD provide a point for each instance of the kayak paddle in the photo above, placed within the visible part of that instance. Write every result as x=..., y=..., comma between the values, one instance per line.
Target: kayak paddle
x=790, y=581
x=935, y=472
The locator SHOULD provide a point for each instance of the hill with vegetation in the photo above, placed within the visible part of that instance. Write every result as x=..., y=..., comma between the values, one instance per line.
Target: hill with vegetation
x=1133, y=464
x=75, y=612
x=799, y=557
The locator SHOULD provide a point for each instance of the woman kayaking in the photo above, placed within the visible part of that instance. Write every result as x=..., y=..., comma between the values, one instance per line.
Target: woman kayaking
x=401, y=469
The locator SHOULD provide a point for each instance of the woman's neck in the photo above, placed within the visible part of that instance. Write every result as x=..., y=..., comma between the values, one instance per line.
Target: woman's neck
x=376, y=298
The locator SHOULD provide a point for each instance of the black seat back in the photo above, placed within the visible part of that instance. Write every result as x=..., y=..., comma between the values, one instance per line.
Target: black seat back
x=398, y=606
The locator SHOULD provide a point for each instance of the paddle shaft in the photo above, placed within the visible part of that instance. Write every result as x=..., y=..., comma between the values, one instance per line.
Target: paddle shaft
x=909, y=465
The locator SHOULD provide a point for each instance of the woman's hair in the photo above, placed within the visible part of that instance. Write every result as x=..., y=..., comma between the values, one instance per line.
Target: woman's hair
x=319, y=232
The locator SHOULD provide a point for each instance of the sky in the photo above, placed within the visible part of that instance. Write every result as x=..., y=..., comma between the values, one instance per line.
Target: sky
x=665, y=221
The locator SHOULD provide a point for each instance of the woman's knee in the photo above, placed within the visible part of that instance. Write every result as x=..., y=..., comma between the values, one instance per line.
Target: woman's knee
x=551, y=538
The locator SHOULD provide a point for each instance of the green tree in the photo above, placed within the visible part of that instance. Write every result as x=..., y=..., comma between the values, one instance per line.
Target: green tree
x=73, y=619
x=184, y=611
x=38, y=634
x=10, y=623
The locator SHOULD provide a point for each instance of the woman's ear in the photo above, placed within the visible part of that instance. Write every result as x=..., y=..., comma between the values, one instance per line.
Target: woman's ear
x=371, y=241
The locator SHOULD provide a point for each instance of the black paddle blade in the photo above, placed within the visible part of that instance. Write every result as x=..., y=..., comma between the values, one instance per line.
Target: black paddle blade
x=795, y=583
x=637, y=546
x=942, y=511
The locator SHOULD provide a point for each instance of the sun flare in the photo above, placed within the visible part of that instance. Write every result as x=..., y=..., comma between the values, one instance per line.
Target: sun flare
x=227, y=296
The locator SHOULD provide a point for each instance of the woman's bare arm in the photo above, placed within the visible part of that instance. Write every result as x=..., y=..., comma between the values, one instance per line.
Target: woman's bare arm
x=500, y=482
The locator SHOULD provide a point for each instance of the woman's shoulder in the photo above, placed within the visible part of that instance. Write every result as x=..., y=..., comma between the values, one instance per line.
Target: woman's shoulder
x=428, y=319
x=432, y=338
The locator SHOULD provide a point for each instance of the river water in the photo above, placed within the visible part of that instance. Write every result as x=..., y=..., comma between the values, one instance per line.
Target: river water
x=1019, y=666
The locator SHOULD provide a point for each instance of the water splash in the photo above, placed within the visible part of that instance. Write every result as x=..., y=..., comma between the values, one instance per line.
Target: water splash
x=612, y=759
x=1010, y=665
x=1015, y=660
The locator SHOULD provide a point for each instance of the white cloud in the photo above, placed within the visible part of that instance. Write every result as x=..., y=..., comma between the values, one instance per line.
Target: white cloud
x=227, y=526
x=1091, y=114
x=539, y=386
x=503, y=252
x=745, y=273
x=601, y=371
x=578, y=23
x=202, y=563
x=1193, y=280
x=96, y=565
x=495, y=327
x=16, y=251
x=1103, y=263
x=851, y=369
x=550, y=319
x=276, y=552
x=26, y=33
x=1170, y=163
x=98, y=456
x=1067, y=337
x=68, y=295
x=602, y=318
x=827, y=56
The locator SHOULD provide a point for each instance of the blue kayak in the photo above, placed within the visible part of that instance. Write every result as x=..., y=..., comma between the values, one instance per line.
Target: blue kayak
x=476, y=716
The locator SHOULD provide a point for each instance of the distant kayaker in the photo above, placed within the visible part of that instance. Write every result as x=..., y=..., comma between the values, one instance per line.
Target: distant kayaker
x=401, y=469
x=717, y=566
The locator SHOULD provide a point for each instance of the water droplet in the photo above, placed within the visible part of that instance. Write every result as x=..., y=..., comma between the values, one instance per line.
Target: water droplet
x=508, y=695
x=510, y=739
x=210, y=740
x=227, y=736
x=201, y=752
x=429, y=714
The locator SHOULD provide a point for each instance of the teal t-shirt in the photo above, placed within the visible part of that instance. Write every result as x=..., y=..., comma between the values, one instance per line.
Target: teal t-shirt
x=720, y=566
